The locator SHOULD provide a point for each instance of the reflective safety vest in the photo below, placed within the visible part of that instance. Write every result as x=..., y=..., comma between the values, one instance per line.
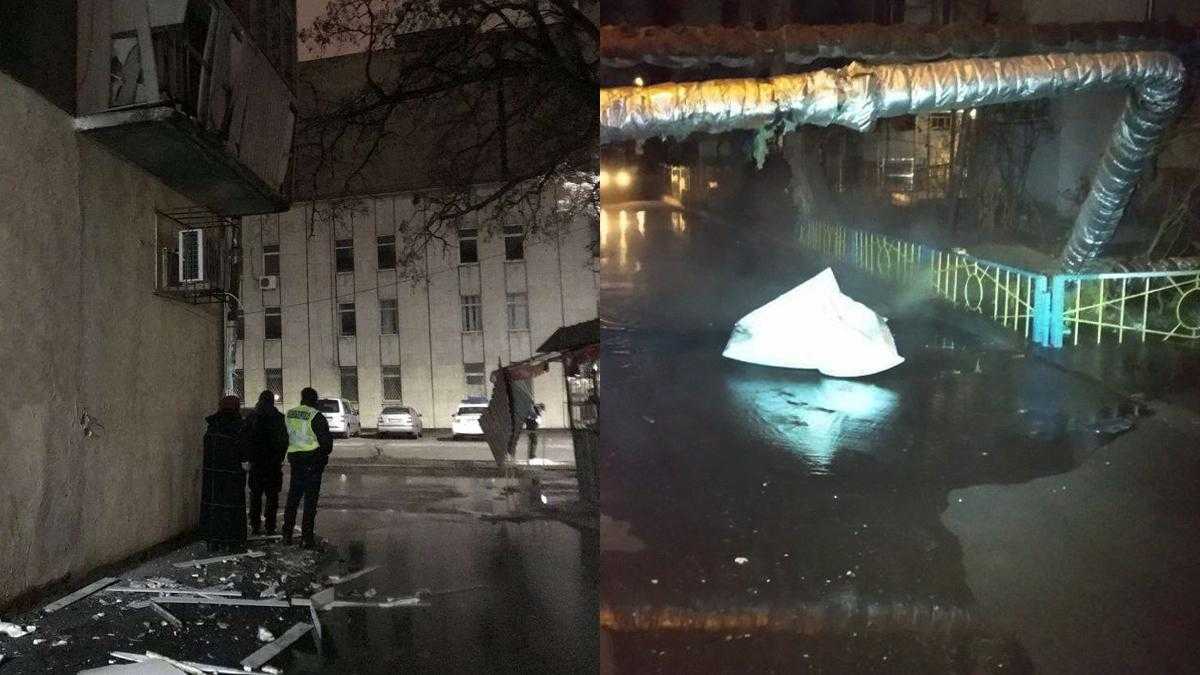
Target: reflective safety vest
x=300, y=432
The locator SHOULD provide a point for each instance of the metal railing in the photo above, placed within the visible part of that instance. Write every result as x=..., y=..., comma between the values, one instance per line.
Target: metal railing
x=1048, y=309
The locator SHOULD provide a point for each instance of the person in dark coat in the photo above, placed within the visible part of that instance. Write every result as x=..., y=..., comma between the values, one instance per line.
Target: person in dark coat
x=309, y=447
x=223, y=488
x=266, y=446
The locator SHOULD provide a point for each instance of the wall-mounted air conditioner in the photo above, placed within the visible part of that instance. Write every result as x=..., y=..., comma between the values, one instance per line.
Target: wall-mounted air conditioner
x=191, y=256
x=268, y=283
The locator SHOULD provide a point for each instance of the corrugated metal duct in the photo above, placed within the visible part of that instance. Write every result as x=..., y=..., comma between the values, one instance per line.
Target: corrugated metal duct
x=857, y=95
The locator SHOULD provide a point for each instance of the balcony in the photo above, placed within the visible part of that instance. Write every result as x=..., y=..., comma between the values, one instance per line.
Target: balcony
x=208, y=114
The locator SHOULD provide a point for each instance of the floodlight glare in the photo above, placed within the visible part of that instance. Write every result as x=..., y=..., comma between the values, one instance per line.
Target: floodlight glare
x=623, y=178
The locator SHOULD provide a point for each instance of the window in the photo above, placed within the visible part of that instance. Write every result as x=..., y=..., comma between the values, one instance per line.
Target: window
x=344, y=255
x=389, y=317
x=346, y=315
x=275, y=381
x=391, y=384
x=349, y=377
x=468, y=247
x=273, y=320
x=472, y=321
x=474, y=374
x=514, y=243
x=271, y=260
x=518, y=311
x=239, y=383
x=387, y=252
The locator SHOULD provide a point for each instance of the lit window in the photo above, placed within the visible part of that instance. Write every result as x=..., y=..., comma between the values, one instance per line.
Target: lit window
x=471, y=314
x=346, y=316
x=389, y=317
x=344, y=255
x=273, y=323
x=514, y=243
x=274, y=378
x=518, y=311
x=468, y=247
x=392, y=390
x=387, y=252
x=349, y=382
x=271, y=260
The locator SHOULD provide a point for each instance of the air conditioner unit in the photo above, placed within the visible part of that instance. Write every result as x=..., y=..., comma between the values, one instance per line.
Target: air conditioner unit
x=191, y=256
x=268, y=283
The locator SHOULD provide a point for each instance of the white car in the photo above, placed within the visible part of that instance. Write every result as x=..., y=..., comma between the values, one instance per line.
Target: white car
x=399, y=419
x=341, y=415
x=465, y=422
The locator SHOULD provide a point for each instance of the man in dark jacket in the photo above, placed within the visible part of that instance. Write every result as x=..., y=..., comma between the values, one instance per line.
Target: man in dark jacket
x=223, y=488
x=267, y=444
x=309, y=447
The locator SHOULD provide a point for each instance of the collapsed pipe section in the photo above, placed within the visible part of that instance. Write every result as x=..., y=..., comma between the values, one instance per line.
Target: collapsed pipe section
x=857, y=95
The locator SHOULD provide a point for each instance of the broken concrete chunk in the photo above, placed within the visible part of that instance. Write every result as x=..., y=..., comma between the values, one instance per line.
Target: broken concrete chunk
x=12, y=630
x=265, y=635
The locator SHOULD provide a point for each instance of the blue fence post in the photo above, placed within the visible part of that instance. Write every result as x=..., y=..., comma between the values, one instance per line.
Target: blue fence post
x=1058, y=293
x=1041, y=311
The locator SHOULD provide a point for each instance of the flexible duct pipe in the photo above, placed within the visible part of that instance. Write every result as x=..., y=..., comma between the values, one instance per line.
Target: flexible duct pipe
x=857, y=95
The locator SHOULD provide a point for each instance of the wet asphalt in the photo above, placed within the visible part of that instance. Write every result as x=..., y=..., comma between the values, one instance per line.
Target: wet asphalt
x=811, y=504
x=505, y=592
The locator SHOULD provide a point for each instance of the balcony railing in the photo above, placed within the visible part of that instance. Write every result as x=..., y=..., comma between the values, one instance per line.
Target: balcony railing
x=205, y=112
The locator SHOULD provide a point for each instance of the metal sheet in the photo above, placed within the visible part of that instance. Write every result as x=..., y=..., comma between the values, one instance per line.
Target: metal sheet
x=857, y=95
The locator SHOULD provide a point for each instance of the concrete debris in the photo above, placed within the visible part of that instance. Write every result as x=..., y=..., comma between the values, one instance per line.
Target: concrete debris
x=335, y=580
x=12, y=630
x=270, y=651
x=148, y=667
x=80, y=594
x=369, y=593
x=265, y=635
x=218, y=559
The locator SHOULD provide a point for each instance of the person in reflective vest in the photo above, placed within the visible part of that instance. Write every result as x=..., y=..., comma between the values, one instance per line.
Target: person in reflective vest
x=309, y=446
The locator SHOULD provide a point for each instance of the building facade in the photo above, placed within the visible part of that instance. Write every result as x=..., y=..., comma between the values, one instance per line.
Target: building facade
x=332, y=311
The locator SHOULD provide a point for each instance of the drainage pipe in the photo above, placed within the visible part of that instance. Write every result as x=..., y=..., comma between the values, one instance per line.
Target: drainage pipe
x=857, y=95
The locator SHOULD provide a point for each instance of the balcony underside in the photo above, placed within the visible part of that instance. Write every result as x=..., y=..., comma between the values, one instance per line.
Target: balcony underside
x=171, y=147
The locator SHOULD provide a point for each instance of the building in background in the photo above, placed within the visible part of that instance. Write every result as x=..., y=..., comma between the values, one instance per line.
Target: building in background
x=326, y=304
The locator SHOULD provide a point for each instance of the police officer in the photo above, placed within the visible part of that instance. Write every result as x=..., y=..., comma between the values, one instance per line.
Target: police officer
x=309, y=446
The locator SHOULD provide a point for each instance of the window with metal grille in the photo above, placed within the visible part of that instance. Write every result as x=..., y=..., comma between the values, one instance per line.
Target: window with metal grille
x=389, y=317
x=349, y=382
x=474, y=374
x=392, y=391
x=518, y=311
x=386, y=248
x=346, y=316
x=239, y=383
x=273, y=323
x=472, y=320
x=468, y=247
x=271, y=260
x=514, y=243
x=344, y=255
x=274, y=378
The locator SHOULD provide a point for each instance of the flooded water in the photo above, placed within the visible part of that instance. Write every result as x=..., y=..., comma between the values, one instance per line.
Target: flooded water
x=755, y=487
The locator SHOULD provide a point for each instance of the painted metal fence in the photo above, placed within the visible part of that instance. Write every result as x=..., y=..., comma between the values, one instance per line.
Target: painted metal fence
x=1052, y=310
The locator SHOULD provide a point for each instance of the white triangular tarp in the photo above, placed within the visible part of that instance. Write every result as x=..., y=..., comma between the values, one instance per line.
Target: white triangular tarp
x=815, y=326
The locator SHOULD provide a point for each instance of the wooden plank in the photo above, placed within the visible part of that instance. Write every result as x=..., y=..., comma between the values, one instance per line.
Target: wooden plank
x=335, y=580
x=80, y=594
x=273, y=648
x=218, y=559
x=237, y=602
x=204, y=667
x=172, y=591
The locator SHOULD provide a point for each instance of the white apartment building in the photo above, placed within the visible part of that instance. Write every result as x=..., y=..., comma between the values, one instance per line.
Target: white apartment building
x=331, y=310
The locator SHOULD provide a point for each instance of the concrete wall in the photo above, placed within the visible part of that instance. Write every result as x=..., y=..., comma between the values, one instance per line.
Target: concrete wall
x=431, y=348
x=81, y=331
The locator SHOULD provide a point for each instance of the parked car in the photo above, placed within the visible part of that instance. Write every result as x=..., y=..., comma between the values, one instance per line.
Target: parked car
x=399, y=419
x=341, y=415
x=465, y=422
